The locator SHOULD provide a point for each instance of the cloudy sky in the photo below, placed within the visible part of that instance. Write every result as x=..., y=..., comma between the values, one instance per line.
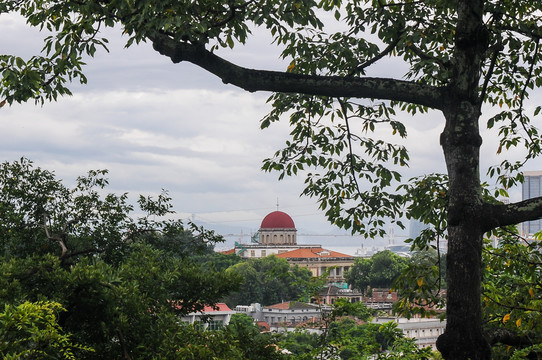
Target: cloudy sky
x=156, y=125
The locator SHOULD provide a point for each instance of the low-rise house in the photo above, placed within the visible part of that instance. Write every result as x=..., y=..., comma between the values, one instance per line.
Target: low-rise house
x=291, y=312
x=424, y=331
x=319, y=261
x=283, y=314
x=211, y=318
x=331, y=293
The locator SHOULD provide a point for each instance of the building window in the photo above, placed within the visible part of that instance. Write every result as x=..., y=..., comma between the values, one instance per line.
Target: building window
x=264, y=253
x=215, y=325
x=252, y=253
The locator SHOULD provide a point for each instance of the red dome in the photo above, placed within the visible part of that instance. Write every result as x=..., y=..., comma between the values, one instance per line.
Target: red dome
x=277, y=220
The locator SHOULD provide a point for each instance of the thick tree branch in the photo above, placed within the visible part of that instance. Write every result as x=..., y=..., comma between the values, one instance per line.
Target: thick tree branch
x=505, y=336
x=262, y=80
x=502, y=215
x=533, y=34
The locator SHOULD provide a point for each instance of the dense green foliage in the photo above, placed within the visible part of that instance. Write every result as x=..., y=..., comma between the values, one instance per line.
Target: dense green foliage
x=254, y=344
x=122, y=281
x=378, y=271
x=422, y=285
x=512, y=295
x=349, y=339
x=31, y=331
x=345, y=333
x=269, y=280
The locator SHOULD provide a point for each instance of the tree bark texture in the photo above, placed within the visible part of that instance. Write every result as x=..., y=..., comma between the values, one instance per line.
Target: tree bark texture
x=463, y=337
x=461, y=141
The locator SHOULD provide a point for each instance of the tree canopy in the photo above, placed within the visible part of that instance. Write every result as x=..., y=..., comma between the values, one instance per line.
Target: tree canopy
x=378, y=271
x=269, y=280
x=461, y=57
x=346, y=333
x=118, y=279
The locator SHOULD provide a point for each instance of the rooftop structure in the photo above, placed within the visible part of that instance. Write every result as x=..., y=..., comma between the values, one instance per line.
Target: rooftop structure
x=277, y=220
x=319, y=261
x=211, y=318
x=277, y=228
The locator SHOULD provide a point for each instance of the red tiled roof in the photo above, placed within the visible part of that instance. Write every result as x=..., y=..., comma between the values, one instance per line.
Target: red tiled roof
x=206, y=308
x=217, y=307
x=289, y=305
x=313, y=253
x=281, y=306
x=263, y=326
x=228, y=252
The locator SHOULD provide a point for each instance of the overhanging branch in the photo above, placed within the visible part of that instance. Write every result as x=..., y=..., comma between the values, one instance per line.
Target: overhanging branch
x=507, y=337
x=511, y=214
x=333, y=86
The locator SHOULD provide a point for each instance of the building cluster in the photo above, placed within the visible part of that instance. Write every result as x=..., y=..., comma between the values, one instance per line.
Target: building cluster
x=278, y=236
x=294, y=315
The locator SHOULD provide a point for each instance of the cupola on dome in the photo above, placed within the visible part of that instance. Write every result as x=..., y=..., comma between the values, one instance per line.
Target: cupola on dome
x=277, y=220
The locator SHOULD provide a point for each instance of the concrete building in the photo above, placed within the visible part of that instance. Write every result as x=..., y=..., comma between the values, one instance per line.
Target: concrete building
x=531, y=188
x=424, y=331
x=331, y=293
x=211, y=318
x=320, y=261
x=289, y=313
x=294, y=315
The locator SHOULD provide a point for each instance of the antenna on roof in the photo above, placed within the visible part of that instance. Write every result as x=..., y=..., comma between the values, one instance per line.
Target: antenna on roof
x=277, y=203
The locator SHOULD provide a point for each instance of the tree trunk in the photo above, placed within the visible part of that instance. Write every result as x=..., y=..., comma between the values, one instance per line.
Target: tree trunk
x=460, y=140
x=463, y=338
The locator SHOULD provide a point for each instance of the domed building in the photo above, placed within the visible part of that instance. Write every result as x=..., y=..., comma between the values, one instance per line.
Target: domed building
x=277, y=228
x=277, y=235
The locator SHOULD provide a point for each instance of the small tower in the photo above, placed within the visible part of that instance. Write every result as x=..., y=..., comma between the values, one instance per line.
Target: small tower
x=278, y=228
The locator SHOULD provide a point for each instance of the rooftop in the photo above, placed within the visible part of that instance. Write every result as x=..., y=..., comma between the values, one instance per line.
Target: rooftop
x=290, y=305
x=217, y=307
x=315, y=252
